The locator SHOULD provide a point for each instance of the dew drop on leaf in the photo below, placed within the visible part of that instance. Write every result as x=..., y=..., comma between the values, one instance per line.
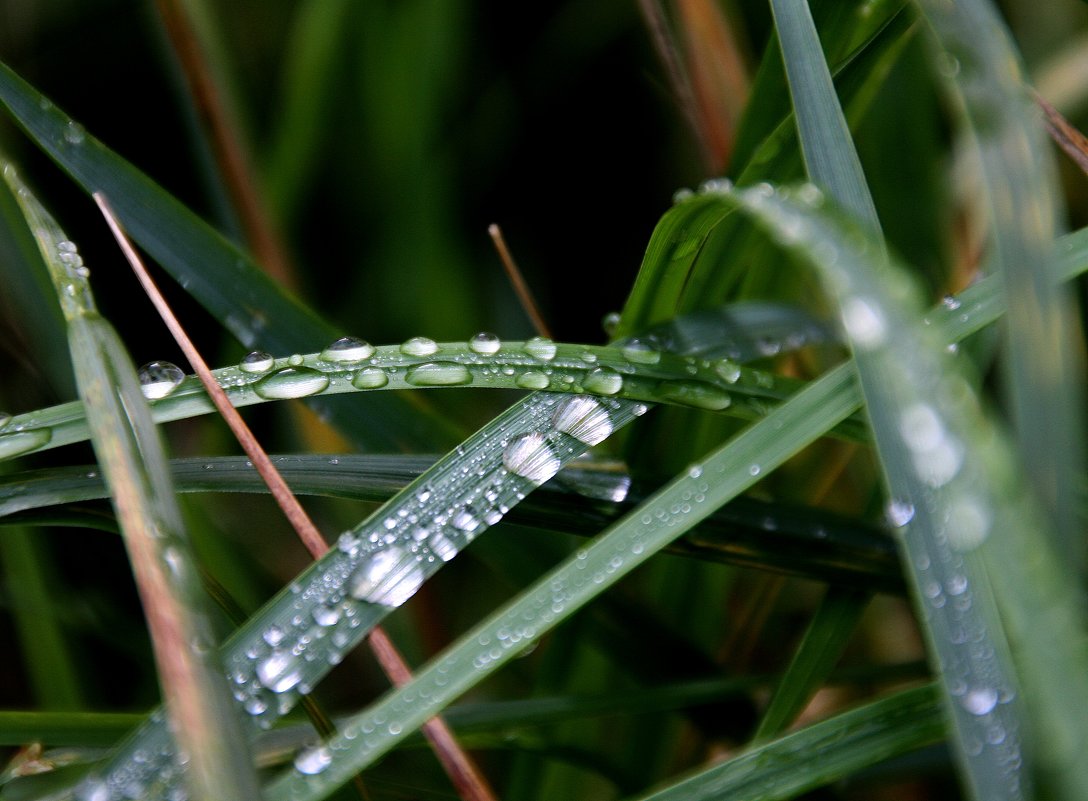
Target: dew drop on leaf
x=159, y=379
x=583, y=418
x=348, y=350
x=485, y=343
x=256, y=361
x=531, y=457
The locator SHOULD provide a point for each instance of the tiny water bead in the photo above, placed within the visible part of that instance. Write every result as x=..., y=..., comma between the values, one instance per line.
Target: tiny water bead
x=419, y=346
x=540, y=348
x=291, y=382
x=899, y=512
x=159, y=379
x=584, y=419
x=370, y=378
x=348, y=350
x=485, y=343
x=438, y=374
x=531, y=457
x=256, y=361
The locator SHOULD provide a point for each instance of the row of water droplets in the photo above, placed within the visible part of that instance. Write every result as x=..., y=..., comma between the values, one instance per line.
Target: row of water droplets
x=944, y=504
x=379, y=565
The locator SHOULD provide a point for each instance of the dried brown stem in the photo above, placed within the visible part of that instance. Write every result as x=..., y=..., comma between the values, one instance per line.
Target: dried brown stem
x=463, y=773
x=521, y=288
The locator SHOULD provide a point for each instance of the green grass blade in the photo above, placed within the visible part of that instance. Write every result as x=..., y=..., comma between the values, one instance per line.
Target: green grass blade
x=796, y=541
x=1044, y=373
x=221, y=277
x=830, y=158
x=66, y=728
x=819, y=754
x=830, y=630
x=683, y=503
x=971, y=536
x=132, y=461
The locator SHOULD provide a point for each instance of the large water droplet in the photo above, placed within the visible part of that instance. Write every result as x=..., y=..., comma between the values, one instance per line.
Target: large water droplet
x=583, y=418
x=370, y=378
x=485, y=343
x=640, y=352
x=388, y=577
x=530, y=456
x=348, y=350
x=419, y=346
x=279, y=671
x=729, y=371
x=438, y=374
x=980, y=701
x=256, y=361
x=864, y=322
x=603, y=381
x=313, y=760
x=159, y=379
x=899, y=512
x=22, y=442
x=292, y=382
x=541, y=348
x=532, y=380
x=695, y=393
x=326, y=615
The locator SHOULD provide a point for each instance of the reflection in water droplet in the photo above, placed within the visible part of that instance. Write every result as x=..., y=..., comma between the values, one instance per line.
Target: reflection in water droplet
x=438, y=374
x=419, y=346
x=74, y=133
x=256, y=361
x=279, y=671
x=370, y=378
x=159, y=379
x=639, y=352
x=531, y=457
x=326, y=615
x=485, y=343
x=583, y=418
x=291, y=382
x=348, y=350
x=980, y=701
x=541, y=348
x=729, y=371
x=313, y=760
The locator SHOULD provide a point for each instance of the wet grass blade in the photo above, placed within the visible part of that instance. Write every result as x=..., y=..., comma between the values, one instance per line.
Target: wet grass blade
x=970, y=533
x=132, y=461
x=819, y=754
x=66, y=728
x=221, y=277
x=1044, y=343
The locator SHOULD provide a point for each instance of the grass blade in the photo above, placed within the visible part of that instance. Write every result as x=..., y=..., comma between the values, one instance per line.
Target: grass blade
x=220, y=276
x=134, y=465
x=821, y=753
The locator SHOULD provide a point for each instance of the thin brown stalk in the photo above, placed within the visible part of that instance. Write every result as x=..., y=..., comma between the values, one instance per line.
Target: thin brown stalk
x=222, y=132
x=1064, y=133
x=521, y=288
x=463, y=773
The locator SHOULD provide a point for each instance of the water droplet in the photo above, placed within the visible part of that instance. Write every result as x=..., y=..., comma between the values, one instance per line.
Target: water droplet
x=313, y=760
x=950, y=302
x=754, y=470
x=610, y=322
x=729, y=371
x=921, y=427
x=291, y=382
x=531, y=457
x=980, y=701
x=273, y=635
x=694, y=393
x=532, y=380
x=540, y=348
x=640, y=409
x=584, y=419
x=388, y=577
x=899, y=512
x=370, y=378
x=864, y=322
x=326, y=615
x=603, y=381
x=279, y=671
x=295, y=360
x=93, y=789
x=442, y=546
x=159, y=379
x=438, y=374
x=5, y=418
x=74, y=133
x=466, y=520
x=256, y=361
x=485, y=343
x=419, y=346
x=639, y=352
x=348, y=350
